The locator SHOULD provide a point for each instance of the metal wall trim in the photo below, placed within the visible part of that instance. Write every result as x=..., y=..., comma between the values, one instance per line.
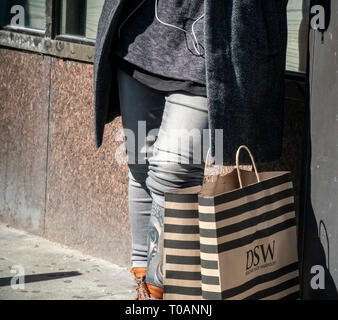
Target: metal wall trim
x=54, y=47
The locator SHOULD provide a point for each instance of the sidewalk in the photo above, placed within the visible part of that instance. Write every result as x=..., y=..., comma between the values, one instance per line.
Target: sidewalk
x=53, y=271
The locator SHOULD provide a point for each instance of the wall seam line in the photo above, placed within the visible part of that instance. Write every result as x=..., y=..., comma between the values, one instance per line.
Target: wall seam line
x=47, y=144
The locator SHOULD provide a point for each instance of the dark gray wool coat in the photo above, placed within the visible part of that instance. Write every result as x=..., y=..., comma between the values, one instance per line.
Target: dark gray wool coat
x=245, y=48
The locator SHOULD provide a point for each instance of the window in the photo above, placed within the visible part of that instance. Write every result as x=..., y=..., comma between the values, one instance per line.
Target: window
x=80, y=17
x=73, y=27
x=297, y=40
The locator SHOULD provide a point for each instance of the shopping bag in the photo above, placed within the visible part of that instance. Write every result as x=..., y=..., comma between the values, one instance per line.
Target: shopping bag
x=181, y=252
x=248, y=240
x=181, y=249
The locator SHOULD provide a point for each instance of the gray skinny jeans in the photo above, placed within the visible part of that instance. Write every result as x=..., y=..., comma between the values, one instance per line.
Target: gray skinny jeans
x=169, y=155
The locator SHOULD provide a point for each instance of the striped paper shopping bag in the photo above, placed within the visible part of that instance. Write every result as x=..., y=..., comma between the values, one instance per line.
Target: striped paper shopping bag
x=181, y=252
x=248, y=239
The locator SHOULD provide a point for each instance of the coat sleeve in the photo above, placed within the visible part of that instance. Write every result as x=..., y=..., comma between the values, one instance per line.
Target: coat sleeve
x=245, y=45
x=106, y=102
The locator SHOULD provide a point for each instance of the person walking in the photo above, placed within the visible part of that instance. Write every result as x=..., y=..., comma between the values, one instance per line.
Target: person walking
x=186, y=76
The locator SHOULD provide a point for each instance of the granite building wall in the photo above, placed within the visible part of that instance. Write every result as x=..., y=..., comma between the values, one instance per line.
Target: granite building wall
x=50, y=168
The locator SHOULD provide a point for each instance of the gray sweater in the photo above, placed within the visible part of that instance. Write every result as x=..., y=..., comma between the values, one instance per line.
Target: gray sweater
x=161, y=49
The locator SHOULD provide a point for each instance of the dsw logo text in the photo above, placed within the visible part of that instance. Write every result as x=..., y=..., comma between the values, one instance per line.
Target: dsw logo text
x=260, y=254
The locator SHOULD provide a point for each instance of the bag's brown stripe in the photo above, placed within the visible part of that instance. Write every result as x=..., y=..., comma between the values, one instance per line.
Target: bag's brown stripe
x=182, y=236
x=184, y=275
x=178, y=296
x=179, y=197
x=258, y=280
x=207, y=295
x=182, y=252
x=226, y=246
x=181, y=214
x=189, y=291
x=188, y=260
x=181, y=222
x=281, y=294
x=269, y=215
x=173, y=228
x=177, y=244
x=233, y=220
x=249, y=206
x=205, y=264
x=239, y=193
x=273, y=290
x=292, y=296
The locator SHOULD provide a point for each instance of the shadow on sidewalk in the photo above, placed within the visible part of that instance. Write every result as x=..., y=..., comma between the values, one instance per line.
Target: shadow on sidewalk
x=40, y=277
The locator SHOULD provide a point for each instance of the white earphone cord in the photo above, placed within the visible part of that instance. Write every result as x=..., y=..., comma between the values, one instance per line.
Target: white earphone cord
x=193, y=37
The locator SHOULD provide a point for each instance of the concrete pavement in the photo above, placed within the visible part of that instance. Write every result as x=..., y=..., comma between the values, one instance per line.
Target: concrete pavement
x=52, y=271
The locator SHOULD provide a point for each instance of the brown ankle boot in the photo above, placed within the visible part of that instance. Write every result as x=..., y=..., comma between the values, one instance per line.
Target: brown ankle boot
x=156, y=293
x=141, y=286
